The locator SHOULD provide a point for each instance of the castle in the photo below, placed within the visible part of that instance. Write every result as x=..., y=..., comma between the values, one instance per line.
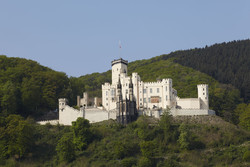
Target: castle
x=150, y=96
x=127, y=97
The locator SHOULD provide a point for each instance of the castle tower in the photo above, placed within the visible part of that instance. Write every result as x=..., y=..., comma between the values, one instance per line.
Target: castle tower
x=119, y=91
x=131, y=98
x=85, y=99
x=118, y=67
x=62, y=103
x=119, y=102
x=203, y=95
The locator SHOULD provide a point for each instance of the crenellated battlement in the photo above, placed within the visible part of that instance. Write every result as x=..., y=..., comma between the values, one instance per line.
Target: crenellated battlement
x=202, y=85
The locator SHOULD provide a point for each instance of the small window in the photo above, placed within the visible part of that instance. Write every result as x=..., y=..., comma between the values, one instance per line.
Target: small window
x=144, y=100
x=149, y=100
x=140, y=99
x=144, y=90
x=106, y=93
x=107, y=104
x=166, y=98
x=126, y=91
x=159, y=99
x=166, y=88
x=151, y=91
x=158, y=90
x=203, y=93
x=106, y=98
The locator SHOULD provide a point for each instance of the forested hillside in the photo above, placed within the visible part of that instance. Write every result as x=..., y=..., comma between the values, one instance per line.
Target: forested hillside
x=180, y=142
x=29, y=89
x=228, y=63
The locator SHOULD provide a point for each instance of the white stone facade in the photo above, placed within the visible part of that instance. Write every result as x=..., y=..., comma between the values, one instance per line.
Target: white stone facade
x=151, y=95
x=68, y=114
x=152, y=99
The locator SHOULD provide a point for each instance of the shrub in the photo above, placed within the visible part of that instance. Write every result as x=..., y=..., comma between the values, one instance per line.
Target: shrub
x=246, y=156
x=128, y=162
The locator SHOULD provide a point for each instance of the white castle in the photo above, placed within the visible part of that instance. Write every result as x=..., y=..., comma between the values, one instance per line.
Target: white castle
x=152, y=95
x=151, y=98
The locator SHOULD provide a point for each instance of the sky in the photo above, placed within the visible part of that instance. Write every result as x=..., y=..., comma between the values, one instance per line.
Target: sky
x=81, y=37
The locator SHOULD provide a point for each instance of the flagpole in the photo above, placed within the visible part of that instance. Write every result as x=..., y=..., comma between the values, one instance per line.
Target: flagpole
x=120, y=49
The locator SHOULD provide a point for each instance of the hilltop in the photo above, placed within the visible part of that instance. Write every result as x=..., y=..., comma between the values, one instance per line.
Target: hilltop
x=31, y=90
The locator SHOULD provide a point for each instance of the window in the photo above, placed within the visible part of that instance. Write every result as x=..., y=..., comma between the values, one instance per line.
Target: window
x=159, y=99
x=107, y=104
x=203, y=89
x=166, y=88
x=112, y=92
x=158, y=90
x=106, y=93
x=203, y=93
x=151, y=91
x=144, y=100
x=126, y=84
x=126, y=91
x=149, y=99
x=106, y=98
x=144, y=90
x=166, y=98
x=140, y=99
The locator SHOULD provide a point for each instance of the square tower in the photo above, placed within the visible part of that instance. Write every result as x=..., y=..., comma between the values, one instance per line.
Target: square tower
x=118, y=67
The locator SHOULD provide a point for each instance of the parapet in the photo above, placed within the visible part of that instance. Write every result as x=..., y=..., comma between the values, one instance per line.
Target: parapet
x=119, y=61
x=63, y=100
x=202, y=85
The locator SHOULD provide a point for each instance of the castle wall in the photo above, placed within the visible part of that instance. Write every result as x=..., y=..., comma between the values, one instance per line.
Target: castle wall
x=97, y=115
x=52, y=122
x=191, y=112
x=188, y=103
x=69, y=114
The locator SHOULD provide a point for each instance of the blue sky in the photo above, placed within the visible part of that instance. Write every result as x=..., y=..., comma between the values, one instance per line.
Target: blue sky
x=80, y=37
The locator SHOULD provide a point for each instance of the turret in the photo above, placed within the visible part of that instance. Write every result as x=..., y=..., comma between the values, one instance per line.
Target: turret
x=119, y=66
x=131, y=90
x=203, y=95
x=62, y=103
x=119, y=91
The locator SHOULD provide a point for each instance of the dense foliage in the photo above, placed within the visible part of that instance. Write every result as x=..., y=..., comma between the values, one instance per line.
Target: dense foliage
x=27, y=88
x=228, y=63
x=180, y=141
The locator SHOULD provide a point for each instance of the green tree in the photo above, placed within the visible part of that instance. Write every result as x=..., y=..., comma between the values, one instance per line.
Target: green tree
x=9, y=99
x=82, y=133
x=243, y=112
x=19, y=134
x=66, y=148
x=184, y=137
x=165, y=124
x=148, y=148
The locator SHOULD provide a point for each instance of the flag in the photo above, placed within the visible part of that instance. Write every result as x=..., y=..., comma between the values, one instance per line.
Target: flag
x=120, y=45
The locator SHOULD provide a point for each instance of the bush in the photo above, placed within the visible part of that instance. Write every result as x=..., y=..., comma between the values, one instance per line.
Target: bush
x=128, y=162
x=246, y=156
x=145, y=162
